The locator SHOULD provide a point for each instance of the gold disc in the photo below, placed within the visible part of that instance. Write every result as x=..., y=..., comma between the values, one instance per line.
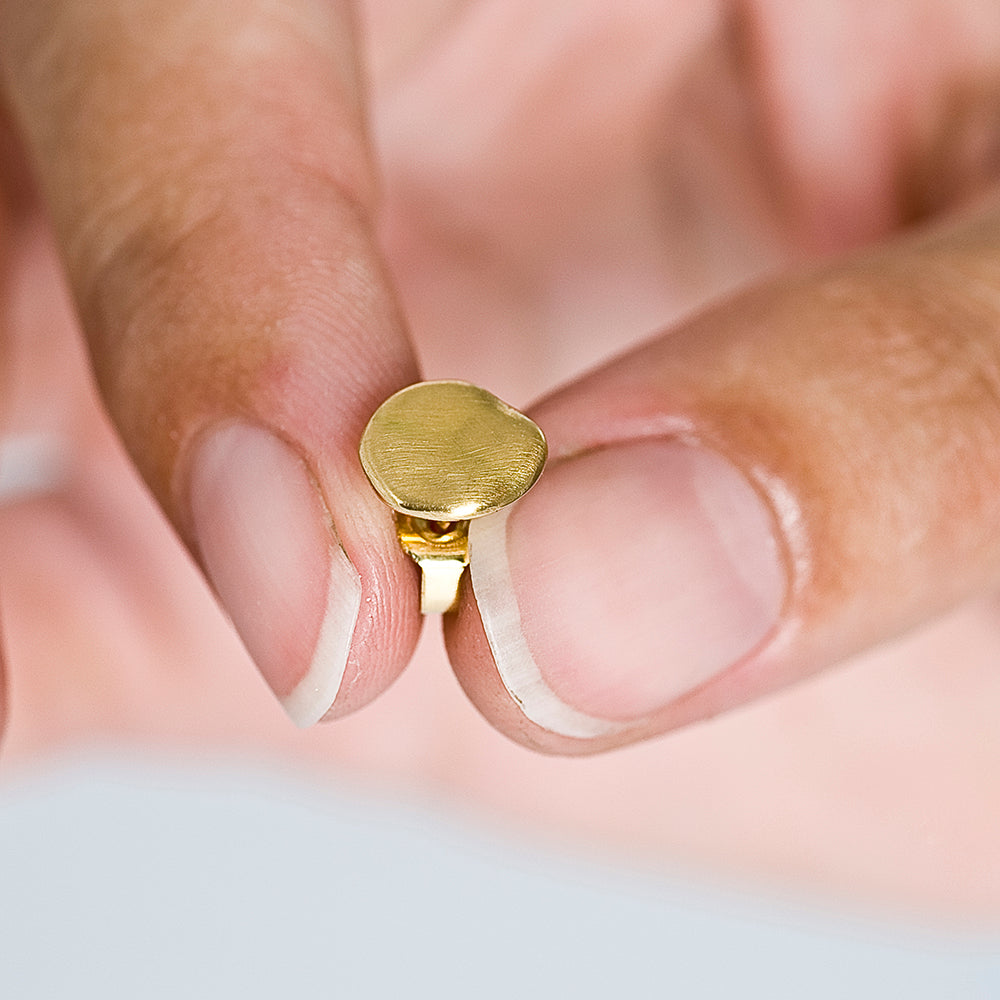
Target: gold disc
x=450, y=451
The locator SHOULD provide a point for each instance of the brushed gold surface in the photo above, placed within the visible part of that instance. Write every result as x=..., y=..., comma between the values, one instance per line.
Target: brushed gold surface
x=448, y=451
x=439, y=454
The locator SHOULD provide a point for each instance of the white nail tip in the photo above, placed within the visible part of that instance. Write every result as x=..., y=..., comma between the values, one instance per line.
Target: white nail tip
x=314, y=695
x=491, y=580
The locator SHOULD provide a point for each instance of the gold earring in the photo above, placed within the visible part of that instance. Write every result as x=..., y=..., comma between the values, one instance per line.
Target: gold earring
x=440, y=454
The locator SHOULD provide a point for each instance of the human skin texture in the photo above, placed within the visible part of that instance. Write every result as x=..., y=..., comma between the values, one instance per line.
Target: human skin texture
x=737, y=260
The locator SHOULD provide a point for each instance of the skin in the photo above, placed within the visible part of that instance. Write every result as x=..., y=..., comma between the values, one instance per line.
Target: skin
x=809, y=185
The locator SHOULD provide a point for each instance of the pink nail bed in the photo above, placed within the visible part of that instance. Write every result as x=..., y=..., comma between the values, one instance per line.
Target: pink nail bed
x=629, y=576
x=269, y=550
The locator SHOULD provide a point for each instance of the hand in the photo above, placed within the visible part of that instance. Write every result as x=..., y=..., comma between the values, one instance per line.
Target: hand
x=797, y=474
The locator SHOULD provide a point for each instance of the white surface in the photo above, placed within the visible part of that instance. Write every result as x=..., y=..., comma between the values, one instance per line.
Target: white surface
x=145, y=880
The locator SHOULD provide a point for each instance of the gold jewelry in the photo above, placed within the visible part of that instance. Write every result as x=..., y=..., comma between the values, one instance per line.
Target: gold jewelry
x=440, y=454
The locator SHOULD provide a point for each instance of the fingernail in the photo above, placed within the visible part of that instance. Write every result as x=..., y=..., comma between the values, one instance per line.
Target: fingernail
x=628, y=577
x=270, y=551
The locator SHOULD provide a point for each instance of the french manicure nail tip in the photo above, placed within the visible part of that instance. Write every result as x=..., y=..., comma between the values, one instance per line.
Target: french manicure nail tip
x=518, y=670
x=315, y=694
x=266, y=543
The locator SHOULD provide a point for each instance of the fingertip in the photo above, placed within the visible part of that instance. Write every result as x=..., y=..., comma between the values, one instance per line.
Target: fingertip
x=597, y=638
x=388, y=622
x=478, y=673
x=497, y=670
x=308, y=589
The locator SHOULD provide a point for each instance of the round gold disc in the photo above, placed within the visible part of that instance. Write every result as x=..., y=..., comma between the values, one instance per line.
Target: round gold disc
x=450, y=451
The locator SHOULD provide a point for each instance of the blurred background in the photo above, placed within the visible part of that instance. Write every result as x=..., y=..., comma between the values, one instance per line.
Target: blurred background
x=164, y=877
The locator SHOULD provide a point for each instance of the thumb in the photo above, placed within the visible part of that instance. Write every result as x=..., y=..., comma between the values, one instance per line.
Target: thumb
x=209, y=180
x=804, y=471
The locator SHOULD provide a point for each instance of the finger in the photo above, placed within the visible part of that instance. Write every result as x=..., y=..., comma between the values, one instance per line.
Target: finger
x=801, y=473
x=209, y=180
